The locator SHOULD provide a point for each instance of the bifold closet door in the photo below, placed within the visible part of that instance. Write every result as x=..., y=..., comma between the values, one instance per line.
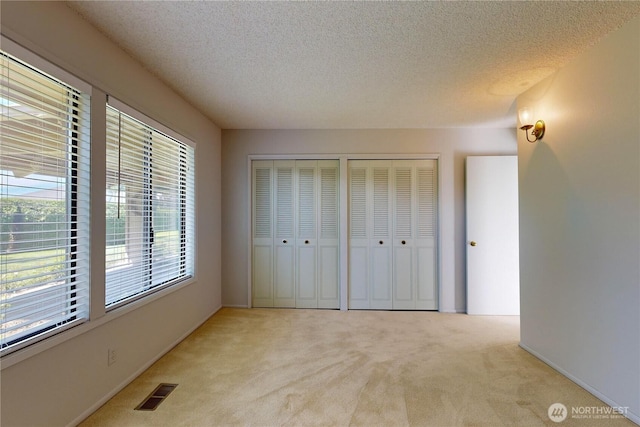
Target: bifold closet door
x=392, y=240
x=370, y=235
x=262, y=258
x=284, y=242
x=317, y=234
x=426, y=296
x=306, y=243
x=403, y=236
x=295, y=254
x=328, y=243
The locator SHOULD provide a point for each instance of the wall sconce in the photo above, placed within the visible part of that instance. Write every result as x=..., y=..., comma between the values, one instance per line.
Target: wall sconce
x=524, y=114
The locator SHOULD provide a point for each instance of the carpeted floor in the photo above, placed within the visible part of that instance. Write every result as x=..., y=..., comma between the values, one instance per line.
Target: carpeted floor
x=275, y=367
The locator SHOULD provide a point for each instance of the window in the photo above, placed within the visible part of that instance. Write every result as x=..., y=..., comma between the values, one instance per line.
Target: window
x=44, y=203
x=46, y=171
x=150, y=206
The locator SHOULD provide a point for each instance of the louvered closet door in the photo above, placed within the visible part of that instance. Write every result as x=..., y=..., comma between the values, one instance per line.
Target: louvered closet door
x=262, y=248
x=380, y=243
x=392, y=239
x=403, y=236
x=306, y=242
x=415, y=215
x=427, y=210
x=358, y=234
x=370, y=243
x=328, y=237
x=284, y=242
x=295, y=254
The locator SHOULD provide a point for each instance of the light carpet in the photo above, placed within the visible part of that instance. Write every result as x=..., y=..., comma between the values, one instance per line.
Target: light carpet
x=285, y=367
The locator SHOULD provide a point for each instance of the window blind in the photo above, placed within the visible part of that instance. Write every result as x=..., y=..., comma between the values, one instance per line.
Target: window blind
x=150, y=208
x=44, y=204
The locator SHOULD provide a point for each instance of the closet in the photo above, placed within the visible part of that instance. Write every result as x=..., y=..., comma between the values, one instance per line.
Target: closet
x=295, y=246
x=392, y=234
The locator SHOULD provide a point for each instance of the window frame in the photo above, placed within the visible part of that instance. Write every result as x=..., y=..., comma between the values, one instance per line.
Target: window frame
x=186, y=240
x=77, y=187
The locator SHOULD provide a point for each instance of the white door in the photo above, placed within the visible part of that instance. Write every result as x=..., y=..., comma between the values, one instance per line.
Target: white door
x=358, y=235
x=295, y=254
x=493, y=267
x=262, y=248
x=284, y=242
x=403, y=236
x=370, y=242
x=380, y=242
x=392, y=223
x=328, y=237
x=306, y=240
x=426, y=251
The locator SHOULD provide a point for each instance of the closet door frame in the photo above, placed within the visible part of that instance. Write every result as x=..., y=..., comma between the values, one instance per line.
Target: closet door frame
x=343, y=213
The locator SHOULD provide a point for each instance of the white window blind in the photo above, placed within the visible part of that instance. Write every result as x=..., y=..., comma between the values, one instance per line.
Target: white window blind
x=44, y=204
x=150, y=208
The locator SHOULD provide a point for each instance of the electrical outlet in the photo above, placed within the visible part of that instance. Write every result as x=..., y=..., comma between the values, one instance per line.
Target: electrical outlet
x=112, y=357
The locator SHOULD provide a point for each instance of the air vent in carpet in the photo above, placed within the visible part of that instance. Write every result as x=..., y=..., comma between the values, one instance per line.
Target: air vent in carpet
x=156, y=397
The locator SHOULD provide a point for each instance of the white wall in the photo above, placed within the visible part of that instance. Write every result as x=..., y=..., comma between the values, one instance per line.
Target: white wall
x=580, y=221
x=453, y=145
x=63, y=383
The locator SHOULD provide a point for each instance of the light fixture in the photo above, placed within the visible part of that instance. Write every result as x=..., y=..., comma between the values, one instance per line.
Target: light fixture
x=524, y=114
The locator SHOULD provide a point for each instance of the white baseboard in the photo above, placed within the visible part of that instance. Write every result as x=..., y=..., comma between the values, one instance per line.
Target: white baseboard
x=630, y=415
x=246, y=306
x=137, y=373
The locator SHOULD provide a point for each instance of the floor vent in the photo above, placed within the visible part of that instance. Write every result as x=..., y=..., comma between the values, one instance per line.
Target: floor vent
x=156, y=397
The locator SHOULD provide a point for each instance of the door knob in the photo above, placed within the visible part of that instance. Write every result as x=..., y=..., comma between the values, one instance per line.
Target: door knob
x=284, y=241
x=381, y=242
x=473, y=243
x=306, y=242
x=403, y=242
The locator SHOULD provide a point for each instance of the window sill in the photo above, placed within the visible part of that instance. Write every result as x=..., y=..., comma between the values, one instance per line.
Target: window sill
x=45, y=344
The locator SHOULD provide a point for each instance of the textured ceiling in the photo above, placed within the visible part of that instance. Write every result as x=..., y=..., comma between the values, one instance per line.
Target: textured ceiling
x=313, y=65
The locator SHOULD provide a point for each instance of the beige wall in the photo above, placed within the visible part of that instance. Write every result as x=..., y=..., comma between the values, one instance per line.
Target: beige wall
x=580, y=221
x=453, y=145
x=58, y=385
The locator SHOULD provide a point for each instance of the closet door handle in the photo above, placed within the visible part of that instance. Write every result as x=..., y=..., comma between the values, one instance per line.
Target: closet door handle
x=381, y=242
x=284, y=241
x=306, y=242
x=404, y=243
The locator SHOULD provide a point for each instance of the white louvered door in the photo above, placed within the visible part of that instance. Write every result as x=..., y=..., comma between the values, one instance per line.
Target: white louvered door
x=427, y=216
x=380, y=243
x=262, y=250
x=370, y=269
x=306, y=239
x=403, y=236
x=284, y=242
x=328, y=236
x=295, y=233
x=358, y=235
x=392, y=240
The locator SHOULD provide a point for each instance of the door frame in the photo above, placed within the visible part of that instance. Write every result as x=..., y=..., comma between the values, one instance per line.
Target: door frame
x=343, y=281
